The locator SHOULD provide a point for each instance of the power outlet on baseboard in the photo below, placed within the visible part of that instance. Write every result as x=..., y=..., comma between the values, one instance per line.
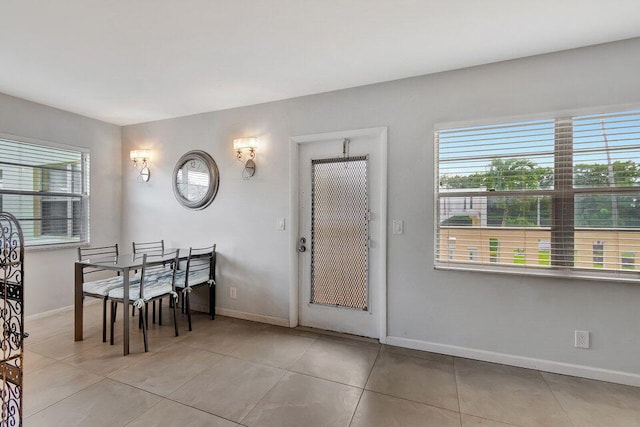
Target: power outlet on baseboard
x=581, y=339
x=233, y=293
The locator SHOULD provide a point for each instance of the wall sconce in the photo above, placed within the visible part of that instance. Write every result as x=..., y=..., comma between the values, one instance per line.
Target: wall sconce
x=243, y=146
x=140, y=159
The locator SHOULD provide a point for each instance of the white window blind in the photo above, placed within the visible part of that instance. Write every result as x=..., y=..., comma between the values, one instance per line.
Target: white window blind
x=548, y=196
x=47, y=190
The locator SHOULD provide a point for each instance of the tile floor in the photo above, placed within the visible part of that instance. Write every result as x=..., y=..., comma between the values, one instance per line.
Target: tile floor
x=230, y=372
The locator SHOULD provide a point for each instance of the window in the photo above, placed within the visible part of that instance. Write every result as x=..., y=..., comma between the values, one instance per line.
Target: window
x=628, y=260
x=544, y=252
x=452, y=248
x=551, y=187
x=598, y=254
x=493, y=249
x=519, y=256
x=47, y=190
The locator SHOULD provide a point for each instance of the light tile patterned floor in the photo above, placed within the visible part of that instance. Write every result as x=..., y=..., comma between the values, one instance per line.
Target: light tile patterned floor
x=231, y=372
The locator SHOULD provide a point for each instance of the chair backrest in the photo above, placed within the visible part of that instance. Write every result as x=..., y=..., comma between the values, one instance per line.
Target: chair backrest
x=97, y=252
x=201, y=261
x=155, y=266
x=148, y=247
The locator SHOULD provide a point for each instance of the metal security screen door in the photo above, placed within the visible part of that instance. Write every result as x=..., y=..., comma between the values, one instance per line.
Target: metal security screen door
x=340, y=232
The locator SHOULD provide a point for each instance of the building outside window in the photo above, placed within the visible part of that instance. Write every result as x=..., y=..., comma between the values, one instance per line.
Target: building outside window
x=47, y=189
x=551, y=187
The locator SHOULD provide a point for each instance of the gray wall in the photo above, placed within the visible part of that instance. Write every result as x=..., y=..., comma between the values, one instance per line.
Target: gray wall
x=506, y=314
x=49, y=273
x=516, y=315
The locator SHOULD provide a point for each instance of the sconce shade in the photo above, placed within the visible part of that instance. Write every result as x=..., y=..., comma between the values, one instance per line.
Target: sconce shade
x=245, y=144
x=139, y=155
x=140, y=159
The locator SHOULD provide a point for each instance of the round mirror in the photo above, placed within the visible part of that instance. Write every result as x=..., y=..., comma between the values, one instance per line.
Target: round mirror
x=196, y=180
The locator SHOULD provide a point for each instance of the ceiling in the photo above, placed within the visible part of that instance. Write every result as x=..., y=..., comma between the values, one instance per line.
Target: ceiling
x=131, y=61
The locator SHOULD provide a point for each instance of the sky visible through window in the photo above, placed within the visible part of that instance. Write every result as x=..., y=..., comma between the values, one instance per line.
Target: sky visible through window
x=601, y=139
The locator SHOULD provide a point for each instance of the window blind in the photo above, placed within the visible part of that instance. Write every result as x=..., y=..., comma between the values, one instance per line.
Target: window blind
x=545, y=195
x=47, y=190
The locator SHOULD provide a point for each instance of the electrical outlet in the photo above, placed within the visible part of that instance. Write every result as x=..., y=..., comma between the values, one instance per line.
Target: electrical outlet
x=581, y=339
x=398, y=226
x=281, y=225
x=232, y=293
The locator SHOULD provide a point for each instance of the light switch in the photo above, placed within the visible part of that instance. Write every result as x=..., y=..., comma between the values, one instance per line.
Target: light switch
x=281, y=224
x=398, y=226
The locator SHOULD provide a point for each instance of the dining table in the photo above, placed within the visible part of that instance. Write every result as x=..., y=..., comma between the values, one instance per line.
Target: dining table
x=123, y=264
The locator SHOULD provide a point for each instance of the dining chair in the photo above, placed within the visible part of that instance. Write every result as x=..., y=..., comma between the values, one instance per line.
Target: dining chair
x=154, y=285
x=156, y=247
x=200, y=271
x=148, y=247
x=99, y=288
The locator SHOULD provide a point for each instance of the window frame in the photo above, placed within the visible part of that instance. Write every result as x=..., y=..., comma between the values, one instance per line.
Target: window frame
x=553, y=271
x=85, y=196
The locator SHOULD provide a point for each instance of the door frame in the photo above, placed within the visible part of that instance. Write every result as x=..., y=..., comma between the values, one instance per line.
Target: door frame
x=379, y=135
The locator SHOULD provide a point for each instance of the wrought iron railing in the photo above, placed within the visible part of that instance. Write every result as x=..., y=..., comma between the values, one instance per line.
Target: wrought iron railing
x=12, y=317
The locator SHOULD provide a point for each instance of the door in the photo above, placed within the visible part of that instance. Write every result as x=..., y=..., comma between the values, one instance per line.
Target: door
x=340, y=234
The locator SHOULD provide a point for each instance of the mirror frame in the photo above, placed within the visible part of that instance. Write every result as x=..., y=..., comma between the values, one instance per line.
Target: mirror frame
x=214, y=179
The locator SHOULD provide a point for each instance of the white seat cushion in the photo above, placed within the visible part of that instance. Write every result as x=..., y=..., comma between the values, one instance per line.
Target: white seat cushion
x=196, y=278
x=102, y=286
x=152, y=289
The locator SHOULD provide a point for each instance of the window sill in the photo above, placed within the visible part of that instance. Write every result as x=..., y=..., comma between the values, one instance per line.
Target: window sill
x=556, y=273
x=56, y=246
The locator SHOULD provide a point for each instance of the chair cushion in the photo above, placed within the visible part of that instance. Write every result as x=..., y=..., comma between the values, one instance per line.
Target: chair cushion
x=152, y=289
x=196, y=278
x=103, y=286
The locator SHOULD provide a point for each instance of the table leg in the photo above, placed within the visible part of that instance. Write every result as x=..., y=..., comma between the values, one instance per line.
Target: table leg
x=125, y=311
x=78, y=309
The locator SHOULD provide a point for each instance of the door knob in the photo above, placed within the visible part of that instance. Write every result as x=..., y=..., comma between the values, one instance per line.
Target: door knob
x=301, y=246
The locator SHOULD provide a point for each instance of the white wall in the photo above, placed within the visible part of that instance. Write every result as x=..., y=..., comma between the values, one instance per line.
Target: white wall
x=49, y=274
x=513, y=315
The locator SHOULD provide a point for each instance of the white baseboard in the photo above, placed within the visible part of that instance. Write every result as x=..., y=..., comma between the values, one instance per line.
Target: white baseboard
x=196, y=307
x=582, y=371
x=204, y=308
x=278, y=321
x=31, y=317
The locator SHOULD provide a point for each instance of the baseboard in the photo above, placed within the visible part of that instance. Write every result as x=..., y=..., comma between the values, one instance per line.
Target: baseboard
x=582, y=371
x=278, y=321
x=204, y=308
x=196, y=307
x=59, y=310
